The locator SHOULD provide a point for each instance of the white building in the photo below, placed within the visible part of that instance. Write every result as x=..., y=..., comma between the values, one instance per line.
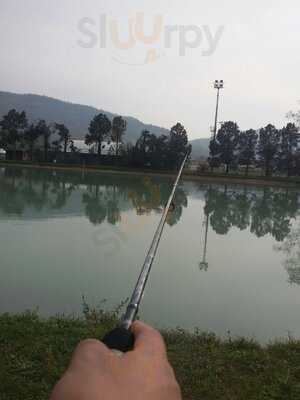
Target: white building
x=2, y=154
x=107, y=148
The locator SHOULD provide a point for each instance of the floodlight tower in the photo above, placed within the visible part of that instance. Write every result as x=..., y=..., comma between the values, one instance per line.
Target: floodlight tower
x=217, y=85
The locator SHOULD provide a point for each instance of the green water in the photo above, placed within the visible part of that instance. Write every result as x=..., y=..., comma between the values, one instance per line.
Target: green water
x=229, y=259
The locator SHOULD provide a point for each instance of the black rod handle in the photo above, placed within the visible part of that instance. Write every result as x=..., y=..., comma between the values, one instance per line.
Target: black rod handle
x=119, y=339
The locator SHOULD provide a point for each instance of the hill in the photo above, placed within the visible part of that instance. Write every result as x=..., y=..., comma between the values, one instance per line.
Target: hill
x=200, y=148
x=77, y=117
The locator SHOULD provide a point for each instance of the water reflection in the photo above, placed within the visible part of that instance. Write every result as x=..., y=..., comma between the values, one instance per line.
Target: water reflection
x=291, y=250
x=39, y=190
x=203, y=265
x=266, y=212
x=91, y=230
x=104, y=197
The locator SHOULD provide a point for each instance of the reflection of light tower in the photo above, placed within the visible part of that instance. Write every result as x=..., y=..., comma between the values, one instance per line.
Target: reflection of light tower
x=203, y=265
x=217, y=85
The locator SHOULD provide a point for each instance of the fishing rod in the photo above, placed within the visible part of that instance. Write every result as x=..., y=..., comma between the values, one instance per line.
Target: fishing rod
x=121, y=339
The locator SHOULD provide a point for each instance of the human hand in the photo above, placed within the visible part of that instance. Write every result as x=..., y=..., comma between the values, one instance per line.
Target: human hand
x=96, y=373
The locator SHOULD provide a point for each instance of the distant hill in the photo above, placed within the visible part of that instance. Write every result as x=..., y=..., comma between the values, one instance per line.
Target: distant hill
x=200, y=148
x=77, y=117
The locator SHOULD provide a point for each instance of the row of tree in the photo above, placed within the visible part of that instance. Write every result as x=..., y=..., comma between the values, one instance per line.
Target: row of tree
x=149, y=150
x=159, y=152
x=102, y=129
x=269, y=148
x=16, y=134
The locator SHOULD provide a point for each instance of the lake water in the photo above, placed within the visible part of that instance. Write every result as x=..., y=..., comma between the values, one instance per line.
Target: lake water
x=229, y=259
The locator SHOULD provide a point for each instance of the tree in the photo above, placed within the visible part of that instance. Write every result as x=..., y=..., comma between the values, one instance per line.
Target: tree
x=73, y=148
x=268, y=147
x=44, y=131
x=12, y=127
x=223, y=149
x=247, y=148
x=144, y=147
x=143, y=141
x=160, y=152
x=214, y=159
x=56, y=147
x=178, y=145
x=64, y=136
x=294, y=116
x=99, y=129
x=151, y=150
x=119, y=126
x=30, y=137
x=288, y=148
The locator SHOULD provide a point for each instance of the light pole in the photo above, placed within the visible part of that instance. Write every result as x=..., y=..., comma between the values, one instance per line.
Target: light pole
x=217, y=85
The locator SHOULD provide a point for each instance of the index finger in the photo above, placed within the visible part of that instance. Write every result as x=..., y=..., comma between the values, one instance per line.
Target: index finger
x=90, y=354
x=148, y=340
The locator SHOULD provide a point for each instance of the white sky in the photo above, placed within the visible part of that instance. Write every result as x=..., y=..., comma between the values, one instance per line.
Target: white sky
x=257, y=56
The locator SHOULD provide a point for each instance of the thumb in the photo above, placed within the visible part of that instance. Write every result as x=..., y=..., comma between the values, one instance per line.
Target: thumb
x=148, y=340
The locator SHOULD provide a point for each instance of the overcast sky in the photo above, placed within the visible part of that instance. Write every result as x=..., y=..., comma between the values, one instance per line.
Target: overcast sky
x=48, y=48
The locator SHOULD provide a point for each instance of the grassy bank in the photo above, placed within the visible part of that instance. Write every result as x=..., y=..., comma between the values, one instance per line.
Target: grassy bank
x=231, y=178
x=34, y=352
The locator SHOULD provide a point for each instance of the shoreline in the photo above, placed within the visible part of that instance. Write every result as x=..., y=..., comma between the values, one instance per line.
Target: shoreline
x=208, y=177
x=35, y=352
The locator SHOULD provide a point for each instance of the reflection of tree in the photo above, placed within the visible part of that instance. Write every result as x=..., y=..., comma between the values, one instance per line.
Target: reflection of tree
x=266, y=211
x=153, y=196
x=146, y=197
x=113, y=212
x=94, y=208
x=21, y=189
x=32, y=196
x=101, y=203
x=241, y=210
x=269, y=212
x=63, y=191
x=219, y=206
x=291, y=249
x=180, y=201
x=103, y=197
x=10, y=199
